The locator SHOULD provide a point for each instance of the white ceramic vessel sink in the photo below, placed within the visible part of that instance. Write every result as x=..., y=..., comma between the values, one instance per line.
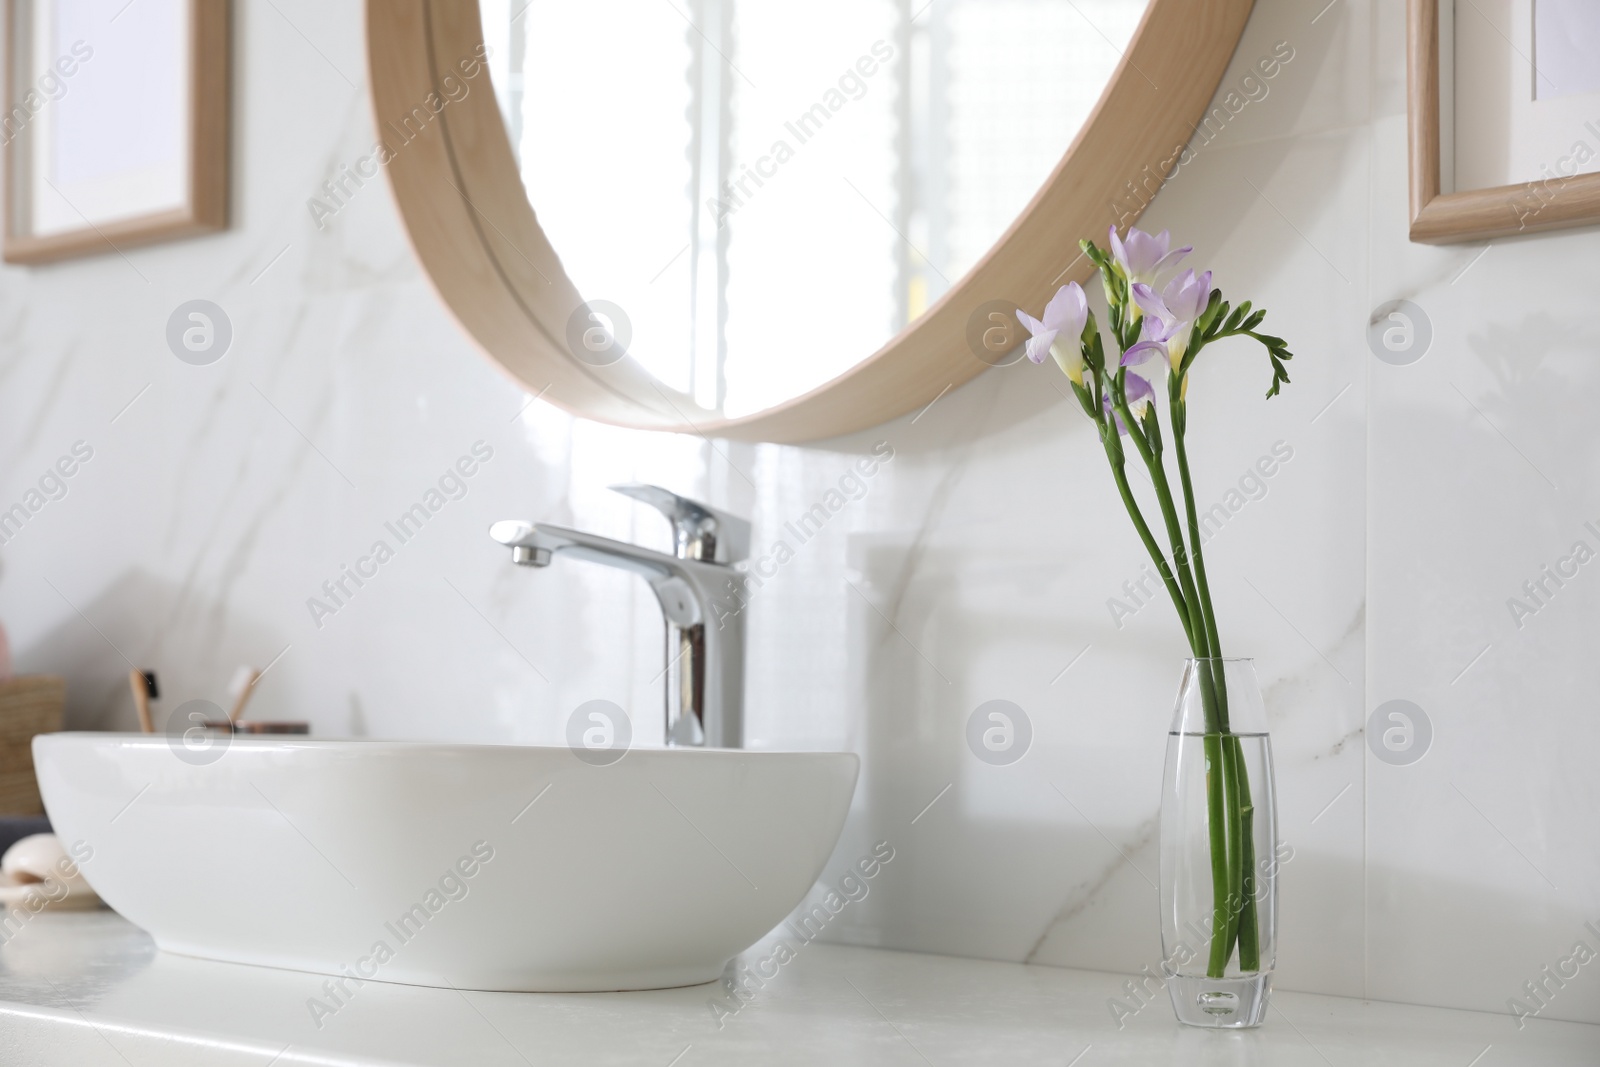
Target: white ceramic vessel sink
x=479, y=867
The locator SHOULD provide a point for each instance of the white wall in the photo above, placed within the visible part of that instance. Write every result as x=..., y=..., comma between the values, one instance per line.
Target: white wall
x=978, y=565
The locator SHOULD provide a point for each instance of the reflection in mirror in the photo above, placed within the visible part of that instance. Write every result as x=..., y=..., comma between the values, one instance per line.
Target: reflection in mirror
x=771, y=192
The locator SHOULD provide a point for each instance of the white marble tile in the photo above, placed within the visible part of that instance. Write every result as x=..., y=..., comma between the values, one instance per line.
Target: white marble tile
x=1482, y=868
x=1302, y=67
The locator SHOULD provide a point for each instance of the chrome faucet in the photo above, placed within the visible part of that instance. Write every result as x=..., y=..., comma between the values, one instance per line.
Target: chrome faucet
x=695, y=586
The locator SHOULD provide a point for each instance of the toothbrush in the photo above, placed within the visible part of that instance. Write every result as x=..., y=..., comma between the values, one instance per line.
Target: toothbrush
x=143, y=684
x=242, y=688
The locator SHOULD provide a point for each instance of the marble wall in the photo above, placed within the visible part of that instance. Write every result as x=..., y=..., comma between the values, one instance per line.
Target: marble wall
x=1406, y=506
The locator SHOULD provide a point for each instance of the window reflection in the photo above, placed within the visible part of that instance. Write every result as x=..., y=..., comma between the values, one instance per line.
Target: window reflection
x=773, y=190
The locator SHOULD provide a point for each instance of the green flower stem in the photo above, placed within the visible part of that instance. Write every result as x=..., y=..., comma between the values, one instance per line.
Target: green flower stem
x=1231, y=835
x=1248, y=932
x=1121, y=475
x=1193, y=625
x=1221, y=871
x=1208, y=614
x=1223, y=817
x=1222, y=943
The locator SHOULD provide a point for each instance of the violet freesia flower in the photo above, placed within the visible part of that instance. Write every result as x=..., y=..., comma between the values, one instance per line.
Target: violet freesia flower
x=1156, y=310
x=1169, y=317
x=1139, y=394
x=1060, y=331
x=1144, y=260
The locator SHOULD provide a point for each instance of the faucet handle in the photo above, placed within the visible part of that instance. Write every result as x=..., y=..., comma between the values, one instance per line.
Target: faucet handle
x=699, y=531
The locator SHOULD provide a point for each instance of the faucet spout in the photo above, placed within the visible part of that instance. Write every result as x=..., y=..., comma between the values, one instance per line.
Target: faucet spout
x=537, y=544
x=526, y=556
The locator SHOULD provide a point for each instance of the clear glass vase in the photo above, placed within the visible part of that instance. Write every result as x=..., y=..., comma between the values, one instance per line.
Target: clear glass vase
x=1219, y=841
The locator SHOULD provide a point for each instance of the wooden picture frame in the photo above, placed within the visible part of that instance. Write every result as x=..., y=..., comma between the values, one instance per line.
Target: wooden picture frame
x=199, y=199
x=462, y=201
x=1476, y=214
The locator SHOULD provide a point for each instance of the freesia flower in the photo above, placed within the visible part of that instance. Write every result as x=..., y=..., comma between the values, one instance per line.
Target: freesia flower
x=1139, y=394
x=1060, y=331
x=1169, y=317
x=1157, y=310
x=1144, y=260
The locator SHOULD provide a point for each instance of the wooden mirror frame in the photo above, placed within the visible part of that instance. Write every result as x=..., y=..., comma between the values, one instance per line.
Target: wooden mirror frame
x=461, y=196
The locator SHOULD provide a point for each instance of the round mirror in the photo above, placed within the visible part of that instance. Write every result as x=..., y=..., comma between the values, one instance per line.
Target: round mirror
x=767, y=221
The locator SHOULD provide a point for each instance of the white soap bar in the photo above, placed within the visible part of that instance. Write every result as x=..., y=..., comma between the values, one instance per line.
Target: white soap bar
x=36, y=873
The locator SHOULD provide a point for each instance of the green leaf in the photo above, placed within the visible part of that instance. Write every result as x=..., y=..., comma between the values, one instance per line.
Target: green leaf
x=1092, y=352
x=1152, y=428
x=1237, y=317
x=1278, y=352
x=1218, y=312
x=1085, y=400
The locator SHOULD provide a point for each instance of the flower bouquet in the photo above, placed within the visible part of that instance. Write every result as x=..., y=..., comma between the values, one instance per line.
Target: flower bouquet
x=1218, y=836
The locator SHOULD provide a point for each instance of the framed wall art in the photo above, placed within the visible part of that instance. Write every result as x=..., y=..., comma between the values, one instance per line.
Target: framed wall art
x=1504, y=117
x=116, y=124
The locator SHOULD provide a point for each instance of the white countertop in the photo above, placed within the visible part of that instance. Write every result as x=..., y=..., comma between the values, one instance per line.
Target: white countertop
x=90, y=989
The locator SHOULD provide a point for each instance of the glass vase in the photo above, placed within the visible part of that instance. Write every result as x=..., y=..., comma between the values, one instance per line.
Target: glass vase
x=1219, y=841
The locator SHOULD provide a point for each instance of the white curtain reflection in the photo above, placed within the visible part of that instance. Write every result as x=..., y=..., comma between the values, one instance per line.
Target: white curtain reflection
x=813, y=253
x=772, y=190
x=605, y=158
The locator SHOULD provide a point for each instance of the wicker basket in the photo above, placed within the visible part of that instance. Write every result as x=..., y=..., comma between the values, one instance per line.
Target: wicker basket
x=29, y=705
